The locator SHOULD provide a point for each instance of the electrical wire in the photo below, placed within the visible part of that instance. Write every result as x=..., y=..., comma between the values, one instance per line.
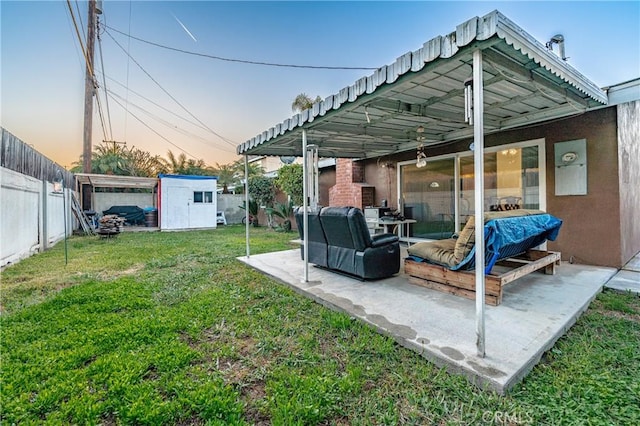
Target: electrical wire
x=198, y=125
x=100, y=114
x=104, y=82
x=84, y=51
x=128, y=63
x=169, y=94
x=171, y=125
x=75, y=43
x=153, y=130
x=79, y=14
x=242, y=61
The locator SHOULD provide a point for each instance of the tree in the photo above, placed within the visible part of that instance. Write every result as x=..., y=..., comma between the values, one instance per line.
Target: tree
x=290, y=181
x=227, y=176
x=262, y=190
x=180, y=165
x=303, y=101
x=142, y=163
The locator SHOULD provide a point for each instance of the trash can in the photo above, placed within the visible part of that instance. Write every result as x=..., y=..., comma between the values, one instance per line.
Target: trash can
x=151, y=218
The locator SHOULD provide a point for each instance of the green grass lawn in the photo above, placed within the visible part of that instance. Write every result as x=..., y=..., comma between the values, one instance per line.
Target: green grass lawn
x=169, y=328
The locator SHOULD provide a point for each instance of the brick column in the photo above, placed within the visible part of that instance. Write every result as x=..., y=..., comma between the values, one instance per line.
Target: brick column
x=350, y=189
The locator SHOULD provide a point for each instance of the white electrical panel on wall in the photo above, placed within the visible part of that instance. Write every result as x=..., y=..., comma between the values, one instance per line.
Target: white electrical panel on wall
x=571, y=167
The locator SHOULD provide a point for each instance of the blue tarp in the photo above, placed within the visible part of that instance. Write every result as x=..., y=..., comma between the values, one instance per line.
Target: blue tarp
x=507, y=237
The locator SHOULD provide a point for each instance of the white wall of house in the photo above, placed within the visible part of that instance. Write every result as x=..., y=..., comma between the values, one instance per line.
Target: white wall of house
x=187, y=202
x=32, y=216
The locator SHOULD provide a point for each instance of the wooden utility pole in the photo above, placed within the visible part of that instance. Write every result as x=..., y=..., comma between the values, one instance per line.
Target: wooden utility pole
x=89, y=89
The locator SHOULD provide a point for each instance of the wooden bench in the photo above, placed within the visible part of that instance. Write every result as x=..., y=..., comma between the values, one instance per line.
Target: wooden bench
x=463, y=283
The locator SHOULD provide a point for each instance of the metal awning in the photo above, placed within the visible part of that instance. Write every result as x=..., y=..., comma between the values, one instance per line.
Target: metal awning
x=424, y=98
x=524, y=84
x=114, y=181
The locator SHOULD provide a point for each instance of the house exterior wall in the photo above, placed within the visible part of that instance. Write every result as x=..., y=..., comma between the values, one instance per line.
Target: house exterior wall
x=599, y=227
x=177, y=207
x=591, y=230
x=629, y=177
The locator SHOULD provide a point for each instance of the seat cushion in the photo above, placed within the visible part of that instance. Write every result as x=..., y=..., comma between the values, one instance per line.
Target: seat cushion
x=439, y=251
x=467, y=238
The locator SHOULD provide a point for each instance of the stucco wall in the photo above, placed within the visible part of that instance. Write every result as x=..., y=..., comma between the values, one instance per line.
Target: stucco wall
x=629, y=178
x=230, y=205
x=592, y=228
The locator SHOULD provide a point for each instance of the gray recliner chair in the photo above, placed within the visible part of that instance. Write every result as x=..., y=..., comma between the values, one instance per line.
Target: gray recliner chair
x=339, y=239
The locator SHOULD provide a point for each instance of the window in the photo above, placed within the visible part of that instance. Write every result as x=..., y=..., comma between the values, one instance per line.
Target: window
x=203, y=197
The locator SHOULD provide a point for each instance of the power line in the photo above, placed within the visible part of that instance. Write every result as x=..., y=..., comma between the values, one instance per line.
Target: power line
x=198, y=125
x=100, y=113
x=153, y=130
x=170, y=125
x=84, y=52
x=104, y=83
x=242, y=61
x=169, y=94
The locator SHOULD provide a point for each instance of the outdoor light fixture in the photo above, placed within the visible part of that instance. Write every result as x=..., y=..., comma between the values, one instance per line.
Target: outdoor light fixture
x=421, y=159
x=511, y=152
x=366, y=114
x=468, y=101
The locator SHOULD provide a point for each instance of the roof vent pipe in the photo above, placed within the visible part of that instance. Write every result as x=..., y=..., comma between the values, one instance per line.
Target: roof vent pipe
x=559, y=40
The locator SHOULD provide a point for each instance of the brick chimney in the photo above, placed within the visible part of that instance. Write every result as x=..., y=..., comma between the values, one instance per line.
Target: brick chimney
x=350, y=189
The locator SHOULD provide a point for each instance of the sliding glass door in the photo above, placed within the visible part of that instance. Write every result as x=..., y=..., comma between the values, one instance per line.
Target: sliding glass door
x=514, y=179
x=428, y=197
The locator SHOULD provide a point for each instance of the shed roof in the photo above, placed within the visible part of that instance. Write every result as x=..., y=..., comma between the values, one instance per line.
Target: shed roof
x=524, y=84
x=114, y=181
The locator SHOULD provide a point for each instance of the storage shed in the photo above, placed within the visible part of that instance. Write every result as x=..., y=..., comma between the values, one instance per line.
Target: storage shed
x=187, y=202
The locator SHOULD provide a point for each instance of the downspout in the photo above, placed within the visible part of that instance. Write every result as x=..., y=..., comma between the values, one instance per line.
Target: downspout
x=478, y=171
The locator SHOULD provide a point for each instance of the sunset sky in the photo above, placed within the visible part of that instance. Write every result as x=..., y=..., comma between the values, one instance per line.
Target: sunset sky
x=42, y=68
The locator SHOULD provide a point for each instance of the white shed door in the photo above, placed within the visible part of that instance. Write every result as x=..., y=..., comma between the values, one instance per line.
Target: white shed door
x=178, y=203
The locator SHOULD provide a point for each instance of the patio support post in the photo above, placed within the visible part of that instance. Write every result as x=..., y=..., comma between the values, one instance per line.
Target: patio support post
x=478, y=171
x=305, y=205
x=246, y=202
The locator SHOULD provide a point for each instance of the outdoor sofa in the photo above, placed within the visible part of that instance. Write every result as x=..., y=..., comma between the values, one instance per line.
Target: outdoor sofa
x=339, y=240
x=510, y=238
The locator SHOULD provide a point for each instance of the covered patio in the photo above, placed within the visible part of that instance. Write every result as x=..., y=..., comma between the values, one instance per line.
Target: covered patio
x=487, y=76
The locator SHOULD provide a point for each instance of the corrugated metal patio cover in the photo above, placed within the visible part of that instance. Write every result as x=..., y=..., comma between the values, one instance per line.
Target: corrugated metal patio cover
x=524, y=84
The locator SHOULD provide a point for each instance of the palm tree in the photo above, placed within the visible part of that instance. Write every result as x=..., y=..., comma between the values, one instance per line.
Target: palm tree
x=303, y=101
x=177, y=165
x=142, y=163
x=180, y=165
x=227, y=176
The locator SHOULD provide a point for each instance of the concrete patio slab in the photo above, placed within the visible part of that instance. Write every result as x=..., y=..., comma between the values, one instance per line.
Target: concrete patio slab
x=628, y=278
x=536, y=311
x=625, y=281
